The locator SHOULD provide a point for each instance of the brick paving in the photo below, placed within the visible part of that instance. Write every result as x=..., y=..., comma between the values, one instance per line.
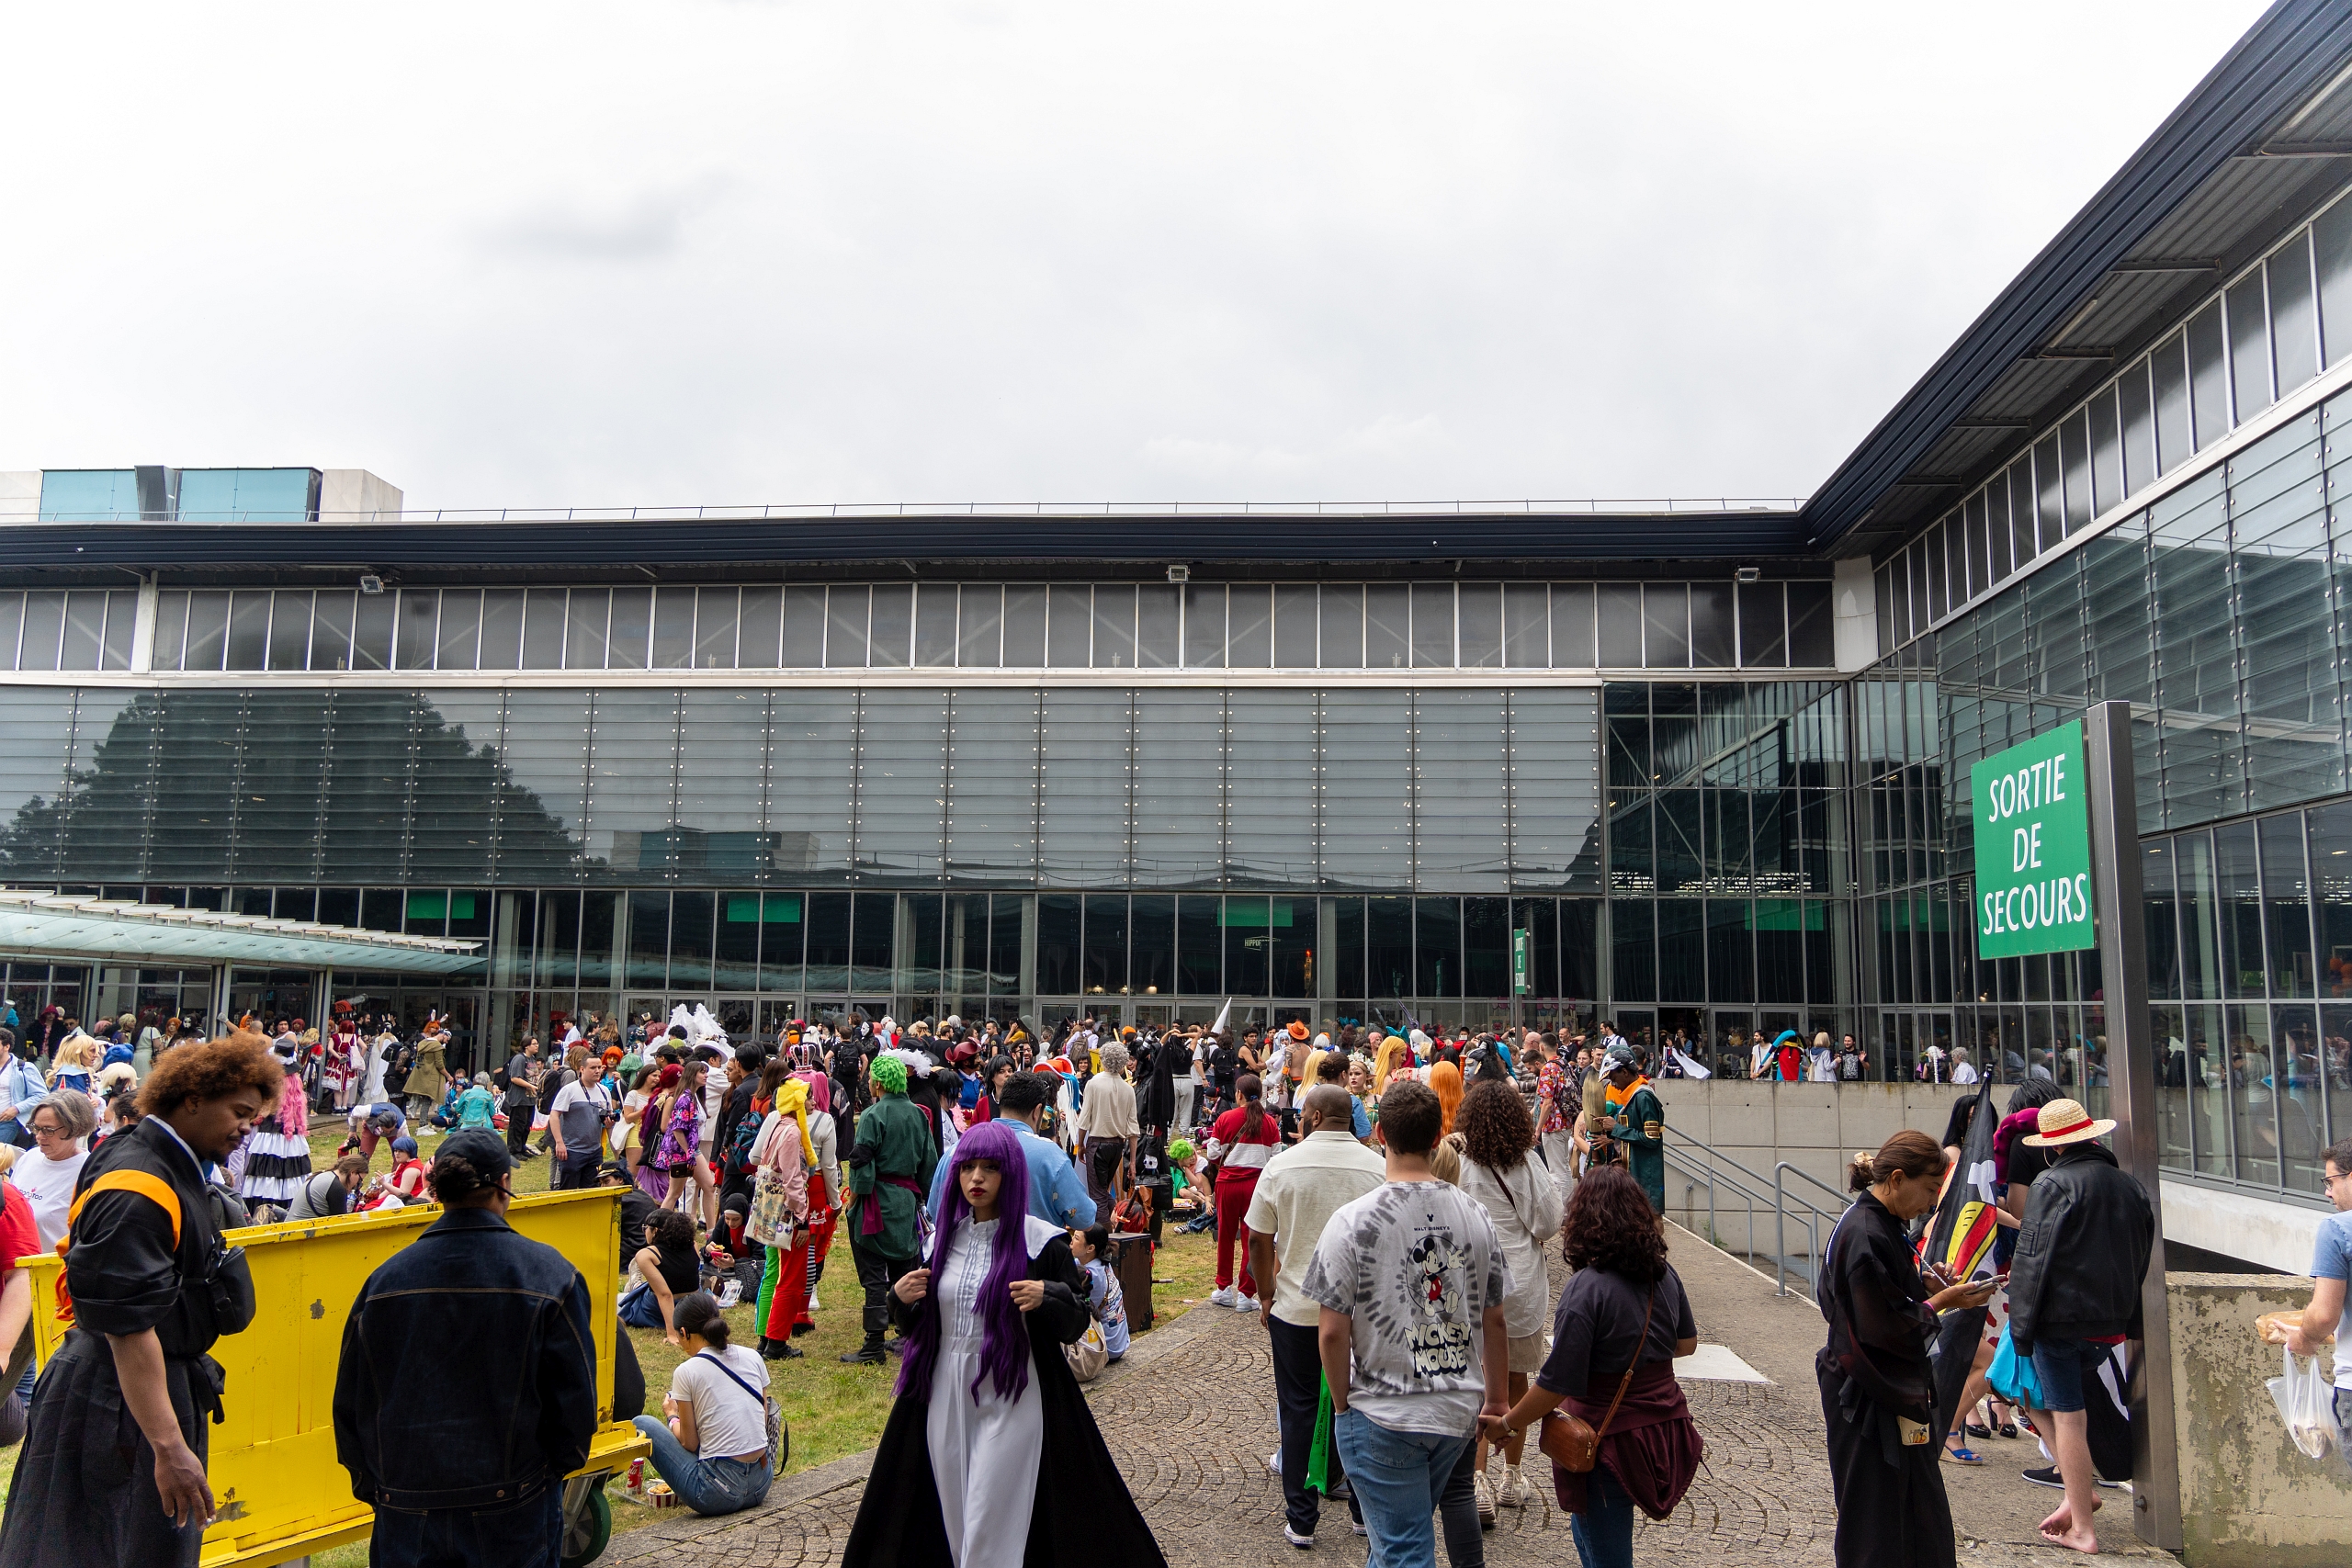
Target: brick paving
x=1189, y=1415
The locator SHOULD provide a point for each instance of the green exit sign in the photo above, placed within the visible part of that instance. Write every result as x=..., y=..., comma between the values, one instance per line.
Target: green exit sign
x=2033, y=848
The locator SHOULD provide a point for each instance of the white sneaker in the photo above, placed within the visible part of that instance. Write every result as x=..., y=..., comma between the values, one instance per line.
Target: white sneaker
x=1223, y=1297
x=1513, y=1493
x=1275, y=1464
x=1304, y=1542
x=1247, y=1303
x=812, y=1300
x=1484, y=1493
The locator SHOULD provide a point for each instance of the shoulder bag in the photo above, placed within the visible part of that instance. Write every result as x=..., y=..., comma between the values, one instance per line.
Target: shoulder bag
x=779, y=1436
x=1573, y=1443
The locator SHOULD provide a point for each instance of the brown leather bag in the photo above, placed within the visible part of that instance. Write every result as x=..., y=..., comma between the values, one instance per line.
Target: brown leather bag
x=1569, y=1440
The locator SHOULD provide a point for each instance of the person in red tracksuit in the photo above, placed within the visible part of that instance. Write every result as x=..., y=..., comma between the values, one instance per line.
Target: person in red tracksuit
x=1240, y=1143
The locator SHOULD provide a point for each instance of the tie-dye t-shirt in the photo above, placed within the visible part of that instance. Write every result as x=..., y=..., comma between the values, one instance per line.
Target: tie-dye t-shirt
x=1415, y=1264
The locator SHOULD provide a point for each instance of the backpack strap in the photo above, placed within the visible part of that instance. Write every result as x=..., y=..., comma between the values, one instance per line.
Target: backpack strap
x=757, y=1397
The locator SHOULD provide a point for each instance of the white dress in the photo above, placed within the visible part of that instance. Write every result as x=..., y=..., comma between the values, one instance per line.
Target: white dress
x=983, y=1454
x=372, y=1092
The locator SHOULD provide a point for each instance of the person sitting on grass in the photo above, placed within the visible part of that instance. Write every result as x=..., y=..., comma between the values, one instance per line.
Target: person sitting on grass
x=1103, y=1297
x=668, y=1269
x=712, y=1444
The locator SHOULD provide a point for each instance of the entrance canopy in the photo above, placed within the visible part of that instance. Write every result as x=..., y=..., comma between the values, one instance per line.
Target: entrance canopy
x=33, y=922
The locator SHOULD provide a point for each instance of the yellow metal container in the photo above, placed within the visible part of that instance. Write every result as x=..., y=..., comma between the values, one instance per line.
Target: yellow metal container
x=274, y=1479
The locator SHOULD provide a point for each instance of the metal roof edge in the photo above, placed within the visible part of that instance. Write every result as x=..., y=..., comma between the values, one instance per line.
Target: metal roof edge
x=2296, y=49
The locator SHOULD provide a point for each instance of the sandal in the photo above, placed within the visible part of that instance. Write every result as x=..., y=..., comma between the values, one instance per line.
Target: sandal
x=1976, y=1429
x=1961, y=1455
x=2008, y=1428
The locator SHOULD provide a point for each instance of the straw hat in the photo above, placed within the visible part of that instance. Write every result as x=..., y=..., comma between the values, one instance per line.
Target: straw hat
x=2065, y=1121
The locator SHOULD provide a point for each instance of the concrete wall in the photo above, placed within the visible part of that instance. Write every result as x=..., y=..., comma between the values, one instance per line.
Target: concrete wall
x=2248, y=1495
x=20, y=493
x=356, y=492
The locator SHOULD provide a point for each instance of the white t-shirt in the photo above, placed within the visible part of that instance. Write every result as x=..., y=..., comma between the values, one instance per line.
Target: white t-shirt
x=727, y=1422
x=1415, y=1264
x=48, y=1185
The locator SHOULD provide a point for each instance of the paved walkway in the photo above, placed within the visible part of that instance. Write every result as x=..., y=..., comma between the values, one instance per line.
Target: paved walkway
x=1187, y=1415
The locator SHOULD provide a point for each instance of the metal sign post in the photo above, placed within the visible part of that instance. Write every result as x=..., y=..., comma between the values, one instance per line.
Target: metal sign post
x=2132, y=1100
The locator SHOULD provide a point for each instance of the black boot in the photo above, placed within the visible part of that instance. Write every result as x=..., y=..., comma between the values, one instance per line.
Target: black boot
x=868, y=1354
x=772, y=1350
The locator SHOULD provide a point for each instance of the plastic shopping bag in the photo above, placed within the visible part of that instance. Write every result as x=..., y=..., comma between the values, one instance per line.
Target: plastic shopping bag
x=2012, y=1377
x=2305, y=1399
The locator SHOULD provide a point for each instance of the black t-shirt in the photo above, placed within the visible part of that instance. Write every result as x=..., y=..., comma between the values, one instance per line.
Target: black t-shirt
x=2026, y=1162
x=1597, y=1325
x=637, y=1212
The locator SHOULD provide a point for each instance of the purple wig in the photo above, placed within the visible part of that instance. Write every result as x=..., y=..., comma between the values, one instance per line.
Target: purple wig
x=1004, y=1342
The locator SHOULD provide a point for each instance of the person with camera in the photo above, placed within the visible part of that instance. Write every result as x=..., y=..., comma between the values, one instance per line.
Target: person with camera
x=112, y=1471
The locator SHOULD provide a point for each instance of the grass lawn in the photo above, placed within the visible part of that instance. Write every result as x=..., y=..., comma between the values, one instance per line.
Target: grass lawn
x=832, y=1409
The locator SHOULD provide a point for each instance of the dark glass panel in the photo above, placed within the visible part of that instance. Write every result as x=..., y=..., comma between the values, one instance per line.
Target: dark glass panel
x=1763, y=626
x=1103, y=958
x=584, y=624
x=649, y=940
x=632, y=781
x=2239, y=903
x=2332, y=254
x=2168, y=374
x=1200, y=946
x=460, y=803
x=1486, y=948
x=1780, y=947
x=1058, y=928
x=673, y=629
x=735, y=943
x=368, y=783
x=1083, y=806
x=1437, y=947
x=1250, y=627
x=935, y=624
x=873, y=948
x=1666, y=626
x=992, y=786
x=892, y=639
x=248, y=631
x=1481, y=633
x=1179, y=788
x=1555, y=789
x=2075, y=470
x=1205, y=626
x=1712, y=629
x=501, y=630
x=2139, y=421
x=289, y=632
x=720, y=836
x=1114, y=626
x=1731, y=960
x=543, y=627
x=1621, y=625
x=2107, y=455
x=1527, y=625
x=804, y=628
x=1159, y=626
x=1269, y=835
x=1633, y=951
x=1347, y=955
x=1151, y=944
x=2209, y=376
x=963, y=940
x=1009, y=924
x=902, y=785
x=1024, y=627
x=1367, y=801
x=783, y=941
x=1387, y=625
x=827, y=943
x=1389, y=954
x=1069, y=627
x=760, y=643
x=1580, y=949
x=1572, y=628
x=1339, y=643
x=2249, y=327
x=2287, y=905
x=715, y=616
x=690, y=940
x=919, y=968
x=809, y=808
x=543, y=782
x=1812, y=631
x=2163, y=920
x=1679, y=840
x=208, y=631
x=845, y=627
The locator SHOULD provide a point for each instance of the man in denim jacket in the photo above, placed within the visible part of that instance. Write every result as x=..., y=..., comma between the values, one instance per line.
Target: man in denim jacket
x=21, y=1089
x=498, y=1325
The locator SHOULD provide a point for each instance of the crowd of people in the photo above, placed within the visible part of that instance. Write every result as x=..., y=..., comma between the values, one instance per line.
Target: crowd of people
x=1384, y=1203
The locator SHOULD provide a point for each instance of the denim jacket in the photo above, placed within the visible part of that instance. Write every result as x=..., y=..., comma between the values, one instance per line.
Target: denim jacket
x=468, y=1373
x=20, y=1085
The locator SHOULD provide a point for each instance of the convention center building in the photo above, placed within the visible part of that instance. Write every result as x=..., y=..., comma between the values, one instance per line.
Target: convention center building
x=1695, y=766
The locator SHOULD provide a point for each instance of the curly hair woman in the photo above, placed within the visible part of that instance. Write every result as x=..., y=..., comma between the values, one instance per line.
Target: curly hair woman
x=1497, y=1138
x=990, y=1458
x=1622, y=1320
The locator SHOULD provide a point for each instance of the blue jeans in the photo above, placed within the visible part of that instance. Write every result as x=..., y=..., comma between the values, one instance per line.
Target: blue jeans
x=1604, y=1531
x=1395, y=1477
x=705, y=1485
x=640, y=1308
x=529, y=1534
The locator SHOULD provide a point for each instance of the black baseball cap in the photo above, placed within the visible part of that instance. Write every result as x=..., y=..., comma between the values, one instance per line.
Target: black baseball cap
x=480, y=1148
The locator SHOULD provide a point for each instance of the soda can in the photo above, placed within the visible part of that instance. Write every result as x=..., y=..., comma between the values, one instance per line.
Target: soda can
x=637, y=1475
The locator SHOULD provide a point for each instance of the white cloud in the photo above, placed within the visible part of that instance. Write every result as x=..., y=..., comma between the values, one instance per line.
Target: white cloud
x=605, y=255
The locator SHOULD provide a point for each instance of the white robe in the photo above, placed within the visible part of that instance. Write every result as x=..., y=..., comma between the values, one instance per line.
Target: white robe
x=984, y=1454
x=372, y=1092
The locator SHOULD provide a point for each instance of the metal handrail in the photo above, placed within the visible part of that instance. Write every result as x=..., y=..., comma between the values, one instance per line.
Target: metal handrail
x=1752, y=1192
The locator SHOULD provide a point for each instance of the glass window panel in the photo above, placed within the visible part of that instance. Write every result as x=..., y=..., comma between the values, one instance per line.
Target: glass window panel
x=110, y=756
x=673, y=629
x=1629, y=866
x=2249, y=328
x=1103, y=964
x=1159, y=623
x=2294, y=325
x=248, y=629
x=845, y=625
x=1621, y=625
x=632, y=786
x=2201, y=953
x=1555, y=776
x=2168, y=375
x=543, y=625
x=2139, y=418
x=1997, y=545
x=461, y=805
x=2332, y=254
x=901, y=784
x=1024, y=627
x=1388, y=960
x=1763, y=626
x=2254, y=1121
x=502, y=629
x=1339, y=643
x=459, y=642
x=2287, y=909
x=893, y=633
x=1572, y=626
x=827, y=929
x=1293, y=627
x=1938, y=571
x=935, y=624
x=122, y=617
x=2075, y=463
x=759, y=639
x=86, y=614
x=367, y=793
x=2162, y=922
x=1295, y=940
x=1460, y=787
x=1681, y=950
x=1437, y=947
x=1367, y=803
x=632, y=628
x=2239, y=904
x=1676, y=827
x=1347, y=955
x=808, y=817
x=1199, y=945
x=735, y=944
x=1666, y=626
x=964, y=939
x=2050, y=501
x=1269, y=835
x=804, y=631
x=208, y=631
x=1250, y=627
x=1083, y=811
x=649, y=940
x=873, y=942
x=2106, y=456
x=1179, y=788
x=1114, y=626
x=545, y=757
x=1069, y=629
x=1387, y=626
x=584, y=618
x=1580, y=949
x=2023, y=547
x=992, y=786
x=1486, y=950
x=1480, y=605
x=1632, y=950
x=1432, y=625
x=1010, y=922
x=1712, y=627
x=413, y=646
x=721, y=833
x=2331, y=857
x=1249, y=942
x=1204, y=626
x=171, y=630
x=715, y=610
x=1060, y=921
x=2209, y=376
x=1527, y=625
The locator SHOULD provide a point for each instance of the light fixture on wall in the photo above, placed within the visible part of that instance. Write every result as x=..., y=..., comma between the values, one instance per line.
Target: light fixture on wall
x=1180, y=574
x=1748, y=574
x=371, y=584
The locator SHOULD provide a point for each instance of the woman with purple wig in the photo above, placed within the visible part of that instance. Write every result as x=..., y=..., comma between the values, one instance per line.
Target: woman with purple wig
x=990, y=1458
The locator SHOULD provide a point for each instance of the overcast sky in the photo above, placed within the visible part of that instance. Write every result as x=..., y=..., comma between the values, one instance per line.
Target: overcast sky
x=574, y=254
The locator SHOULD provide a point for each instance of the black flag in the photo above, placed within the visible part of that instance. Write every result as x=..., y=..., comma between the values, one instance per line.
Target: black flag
x=1961, y=1240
